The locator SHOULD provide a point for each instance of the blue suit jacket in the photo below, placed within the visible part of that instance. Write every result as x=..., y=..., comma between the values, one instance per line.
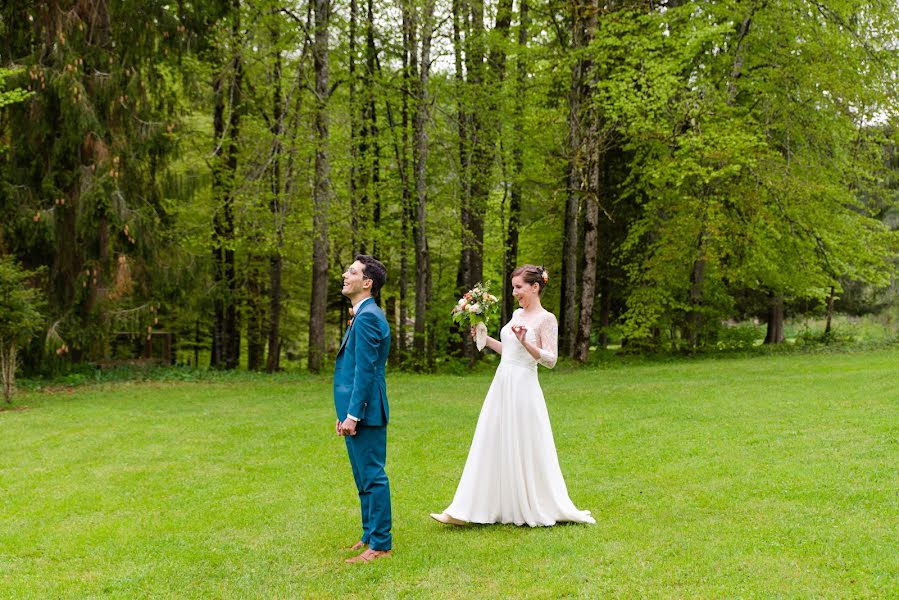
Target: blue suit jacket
x=360, y=388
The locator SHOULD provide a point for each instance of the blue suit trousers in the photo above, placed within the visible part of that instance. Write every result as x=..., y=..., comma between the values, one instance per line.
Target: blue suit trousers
x=368, y=453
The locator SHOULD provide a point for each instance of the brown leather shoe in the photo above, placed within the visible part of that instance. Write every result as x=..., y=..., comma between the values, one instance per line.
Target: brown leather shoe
x=360, y=545
x=370, y=555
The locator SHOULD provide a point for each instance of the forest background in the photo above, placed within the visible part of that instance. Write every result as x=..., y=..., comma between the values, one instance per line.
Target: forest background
x=199, y=173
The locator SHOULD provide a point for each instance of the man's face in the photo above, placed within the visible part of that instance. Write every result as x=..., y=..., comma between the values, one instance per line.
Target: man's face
x=355, y=283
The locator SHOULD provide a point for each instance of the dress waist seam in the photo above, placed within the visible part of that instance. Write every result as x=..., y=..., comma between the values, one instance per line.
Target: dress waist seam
x=518, y=363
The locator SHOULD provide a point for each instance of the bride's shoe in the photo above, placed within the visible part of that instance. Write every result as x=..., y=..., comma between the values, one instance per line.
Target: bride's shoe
x=447, y=520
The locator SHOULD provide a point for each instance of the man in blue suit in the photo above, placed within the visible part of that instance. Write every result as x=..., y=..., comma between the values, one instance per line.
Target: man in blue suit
x=360, y=398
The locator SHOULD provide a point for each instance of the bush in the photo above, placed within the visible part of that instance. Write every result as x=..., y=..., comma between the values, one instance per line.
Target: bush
x=742, y=336
x=19, y=319
x=836, y=336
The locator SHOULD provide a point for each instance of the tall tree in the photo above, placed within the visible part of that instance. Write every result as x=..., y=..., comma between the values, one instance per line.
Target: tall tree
x=420, y=32
x=371, y=144
x=91, y=145
x=694, y=325
x=227, y=89
x=577, y=104
x=277, y=205
x=513, y=225
x=485, y=60
x=356, y=207
x=401, y=144
x=462, y=33
x=321, y=194
x=593, y=142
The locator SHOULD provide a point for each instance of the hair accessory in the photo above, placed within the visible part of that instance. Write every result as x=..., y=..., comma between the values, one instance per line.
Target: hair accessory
x=545, y=274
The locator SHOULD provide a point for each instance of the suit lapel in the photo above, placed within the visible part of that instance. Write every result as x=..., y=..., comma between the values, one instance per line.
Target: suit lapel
x=346, y=335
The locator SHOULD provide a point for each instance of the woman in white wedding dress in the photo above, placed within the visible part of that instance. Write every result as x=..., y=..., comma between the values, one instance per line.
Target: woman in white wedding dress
x=512, y=474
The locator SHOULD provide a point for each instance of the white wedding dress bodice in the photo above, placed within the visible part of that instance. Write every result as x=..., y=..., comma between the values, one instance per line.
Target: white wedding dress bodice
x=542, y=332
x=512, y=474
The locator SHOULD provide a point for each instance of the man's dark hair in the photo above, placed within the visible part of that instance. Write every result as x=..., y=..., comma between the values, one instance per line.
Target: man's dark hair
x=375, y=270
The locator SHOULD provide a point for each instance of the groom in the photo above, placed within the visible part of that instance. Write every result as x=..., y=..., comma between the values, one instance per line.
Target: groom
x=360, y=397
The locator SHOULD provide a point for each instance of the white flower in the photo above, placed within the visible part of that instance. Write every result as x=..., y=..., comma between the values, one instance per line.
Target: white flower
x=475, y=308
x=461, y=301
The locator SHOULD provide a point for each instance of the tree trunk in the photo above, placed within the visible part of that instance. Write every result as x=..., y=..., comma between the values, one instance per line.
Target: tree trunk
x=98, y=274
x=588, y=279
x=256, y=313
x=420, y=155
x=287, y=189
x=460, y=19
x=605, y=310
x=67, y=259
x=276, y=267
x=463, y=273
x=775, y=333
x=232, y=323
x=401, y=153
x=478, y=134
x=577, y=104
x=568, y=301
x=486, y=72
x=277, y=209
x=8, y=369
x=593, y=147
x=830, y=302
x=480, y=143
x=226, y=332
x=196, y=344
x=407, y=209
x=357, y=204
x=321, y=195
x=510, y=248
x=697, y=277
x=371, y=149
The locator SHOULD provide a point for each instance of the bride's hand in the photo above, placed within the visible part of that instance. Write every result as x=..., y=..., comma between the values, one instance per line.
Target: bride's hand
x=473, y=332
x=520, y=332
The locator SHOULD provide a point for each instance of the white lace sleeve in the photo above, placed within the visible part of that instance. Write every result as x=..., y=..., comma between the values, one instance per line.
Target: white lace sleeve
x=548, y=338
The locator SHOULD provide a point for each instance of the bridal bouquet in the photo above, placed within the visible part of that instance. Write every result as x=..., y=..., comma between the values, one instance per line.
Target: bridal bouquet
x=475, y=308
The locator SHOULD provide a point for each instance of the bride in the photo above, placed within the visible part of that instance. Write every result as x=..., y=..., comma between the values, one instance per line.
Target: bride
x=512, y=474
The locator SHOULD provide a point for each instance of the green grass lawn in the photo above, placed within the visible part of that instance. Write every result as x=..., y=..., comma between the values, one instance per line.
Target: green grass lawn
x=762, y=477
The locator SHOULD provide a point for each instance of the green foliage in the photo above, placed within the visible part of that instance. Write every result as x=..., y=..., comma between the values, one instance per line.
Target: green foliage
x=740, y=336
x=732, y=168
x=763, y=154
x=20, y=304
x=20, y=317
x=82, y=183
x=808, y=337
x=14, y=95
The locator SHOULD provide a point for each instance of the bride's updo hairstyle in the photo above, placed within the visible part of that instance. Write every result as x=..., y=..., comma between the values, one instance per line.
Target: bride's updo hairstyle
x=532, y=274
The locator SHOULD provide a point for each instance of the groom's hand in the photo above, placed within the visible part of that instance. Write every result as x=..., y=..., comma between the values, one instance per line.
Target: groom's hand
x=348, y=427
x=337, y=427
